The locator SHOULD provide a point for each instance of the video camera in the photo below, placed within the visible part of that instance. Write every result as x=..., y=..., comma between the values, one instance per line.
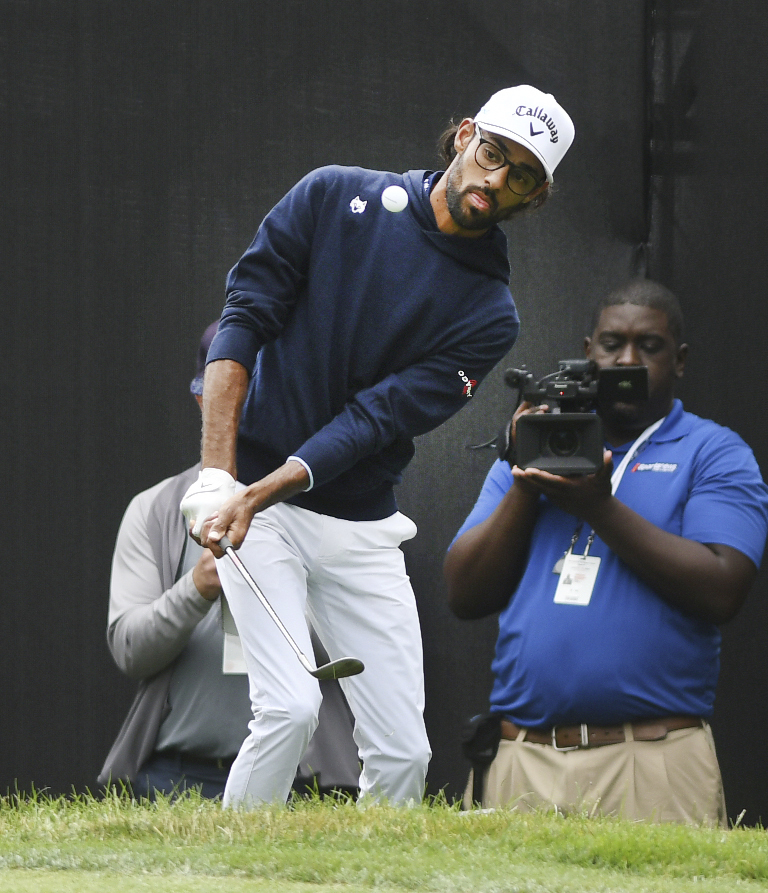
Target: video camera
x=568, y=440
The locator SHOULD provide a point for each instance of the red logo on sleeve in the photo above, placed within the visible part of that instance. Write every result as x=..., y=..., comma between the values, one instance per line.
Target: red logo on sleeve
x=469, y=383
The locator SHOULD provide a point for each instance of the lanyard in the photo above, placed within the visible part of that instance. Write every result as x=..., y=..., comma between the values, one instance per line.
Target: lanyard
x=618, y=474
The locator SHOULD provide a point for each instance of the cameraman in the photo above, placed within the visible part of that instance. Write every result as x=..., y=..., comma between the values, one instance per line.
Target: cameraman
x=603, y=690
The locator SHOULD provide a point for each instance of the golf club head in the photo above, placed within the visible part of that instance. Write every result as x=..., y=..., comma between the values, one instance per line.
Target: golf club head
x=336, y=669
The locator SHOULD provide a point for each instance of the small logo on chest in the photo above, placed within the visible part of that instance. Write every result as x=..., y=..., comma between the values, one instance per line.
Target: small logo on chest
x=665, y=467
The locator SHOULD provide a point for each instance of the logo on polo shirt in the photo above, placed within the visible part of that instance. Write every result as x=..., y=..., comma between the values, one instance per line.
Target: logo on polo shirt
x=357, y=205
x=665, y=467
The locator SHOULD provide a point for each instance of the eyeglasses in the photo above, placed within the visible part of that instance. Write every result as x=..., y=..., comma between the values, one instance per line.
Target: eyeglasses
x=490, y=158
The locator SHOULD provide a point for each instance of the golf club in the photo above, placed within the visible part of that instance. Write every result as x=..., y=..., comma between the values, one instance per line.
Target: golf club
x=344, y=666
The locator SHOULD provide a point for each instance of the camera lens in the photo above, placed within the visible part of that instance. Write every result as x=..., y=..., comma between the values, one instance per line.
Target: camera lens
x=564, y=442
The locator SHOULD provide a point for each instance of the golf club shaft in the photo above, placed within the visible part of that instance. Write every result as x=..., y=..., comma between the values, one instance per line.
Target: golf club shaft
x=229, y=550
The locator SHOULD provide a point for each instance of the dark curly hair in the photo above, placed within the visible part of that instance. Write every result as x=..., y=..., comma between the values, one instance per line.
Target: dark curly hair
x=447, y=152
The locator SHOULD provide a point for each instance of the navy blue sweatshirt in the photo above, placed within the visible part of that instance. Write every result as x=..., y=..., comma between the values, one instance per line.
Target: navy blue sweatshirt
x=361, y=329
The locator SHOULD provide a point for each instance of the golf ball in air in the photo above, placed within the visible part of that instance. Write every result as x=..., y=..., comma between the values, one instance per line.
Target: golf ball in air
x=394, y=198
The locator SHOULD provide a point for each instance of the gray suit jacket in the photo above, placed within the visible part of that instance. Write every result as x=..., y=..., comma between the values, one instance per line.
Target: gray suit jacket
x=151, y=540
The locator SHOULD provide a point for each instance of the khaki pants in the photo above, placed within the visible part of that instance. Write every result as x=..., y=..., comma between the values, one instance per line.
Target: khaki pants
x=676, y=779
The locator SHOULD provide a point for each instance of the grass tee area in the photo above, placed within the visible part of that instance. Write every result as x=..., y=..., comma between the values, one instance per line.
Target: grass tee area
x=85, y=844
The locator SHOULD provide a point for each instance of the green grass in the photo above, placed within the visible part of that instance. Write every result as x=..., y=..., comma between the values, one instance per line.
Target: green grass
x=85, y=844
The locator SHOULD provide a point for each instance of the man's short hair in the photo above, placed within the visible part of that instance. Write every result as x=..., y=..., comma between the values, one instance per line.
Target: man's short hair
x=645, y=293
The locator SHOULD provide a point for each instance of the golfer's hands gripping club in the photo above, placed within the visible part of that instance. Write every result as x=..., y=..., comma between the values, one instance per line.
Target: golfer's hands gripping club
x=231, y=514
x=205, y=497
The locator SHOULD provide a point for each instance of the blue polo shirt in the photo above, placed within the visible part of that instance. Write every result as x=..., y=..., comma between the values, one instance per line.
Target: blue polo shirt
x=628, y=654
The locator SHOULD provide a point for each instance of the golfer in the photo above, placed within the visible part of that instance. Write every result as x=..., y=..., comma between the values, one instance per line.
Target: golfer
x=352, y=325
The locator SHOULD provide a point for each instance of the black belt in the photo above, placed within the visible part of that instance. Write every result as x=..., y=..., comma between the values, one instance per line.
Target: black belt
x=190, y=762
x=584, y=736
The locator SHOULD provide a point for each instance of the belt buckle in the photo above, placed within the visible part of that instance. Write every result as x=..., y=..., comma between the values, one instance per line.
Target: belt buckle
x=583, y=743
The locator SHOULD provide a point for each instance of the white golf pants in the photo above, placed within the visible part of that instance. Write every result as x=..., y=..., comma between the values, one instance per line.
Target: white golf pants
x=349, y=577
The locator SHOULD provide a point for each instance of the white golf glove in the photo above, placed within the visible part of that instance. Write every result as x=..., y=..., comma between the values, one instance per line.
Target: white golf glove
x=211, y=490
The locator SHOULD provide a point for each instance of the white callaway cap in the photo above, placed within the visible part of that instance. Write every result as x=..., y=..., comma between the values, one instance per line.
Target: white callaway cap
x=531, y=118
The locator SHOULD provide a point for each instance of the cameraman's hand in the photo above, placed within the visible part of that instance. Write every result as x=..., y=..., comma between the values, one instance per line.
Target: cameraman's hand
x=527, y=407
x=580, y=495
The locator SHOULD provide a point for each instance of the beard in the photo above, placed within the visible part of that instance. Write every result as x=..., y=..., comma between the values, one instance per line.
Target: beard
x=466, y=215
